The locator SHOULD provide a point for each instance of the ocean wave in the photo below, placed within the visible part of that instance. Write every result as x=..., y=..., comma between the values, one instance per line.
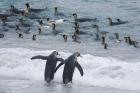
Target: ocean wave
x=98, y=71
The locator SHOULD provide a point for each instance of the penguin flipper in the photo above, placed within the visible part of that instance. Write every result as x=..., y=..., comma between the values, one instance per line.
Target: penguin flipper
x=79, y=68
x=60, y=59
x=59, y=66
x=39, y=57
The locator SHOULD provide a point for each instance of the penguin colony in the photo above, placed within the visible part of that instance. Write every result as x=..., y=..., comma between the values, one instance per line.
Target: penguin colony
x=22, y=26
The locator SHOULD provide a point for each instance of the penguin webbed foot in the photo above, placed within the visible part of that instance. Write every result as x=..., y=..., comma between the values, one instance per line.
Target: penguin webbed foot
x=66, y=81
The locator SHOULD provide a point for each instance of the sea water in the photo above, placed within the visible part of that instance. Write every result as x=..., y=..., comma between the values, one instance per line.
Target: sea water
x=116, y=67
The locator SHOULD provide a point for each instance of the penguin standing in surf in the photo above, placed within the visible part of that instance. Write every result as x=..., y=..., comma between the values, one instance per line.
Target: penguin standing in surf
x=50, y=64
x=70, y=64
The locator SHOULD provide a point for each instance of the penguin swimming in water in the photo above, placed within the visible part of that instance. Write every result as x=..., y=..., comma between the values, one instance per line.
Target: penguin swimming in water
x=74, y=37
x=36, y=10
x=40, y=22
x=14, y=10
x=70, y=64
x=117, y=37
x=58, y=21
x=129, y=40
x=34, y=37
x=65, y=38
x=83, y=19
x=103, y=40
x=39, y=30
x=50, y=64
x=20, y=35
x=135, y=43
x=126, y=39
x=105, y=46
x=119, y=22
x=56, y=13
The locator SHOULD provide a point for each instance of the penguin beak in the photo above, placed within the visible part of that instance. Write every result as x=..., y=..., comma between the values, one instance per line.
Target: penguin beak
x=79, y=55
x=58, y=55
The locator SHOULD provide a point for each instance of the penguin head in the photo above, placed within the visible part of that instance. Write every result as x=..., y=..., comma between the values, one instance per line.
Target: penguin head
x=109, y=18
x=27, y=5
x=12, y=7
x=55, y=53
x=53, y=25
x=55, y=8
x=48, y=19
x=77, y=54
x=74, y=14
x=119, y=20
x=39, y=29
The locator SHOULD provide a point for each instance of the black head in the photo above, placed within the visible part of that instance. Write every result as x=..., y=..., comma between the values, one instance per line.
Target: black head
x=12, y=6
x=27, y=5
x=40, y=22
x=77, y=31
x=103, y=37
x=72, y=36
x=55, y=8
x=48, y=19
x=74, y=14
x=76, y=23
x=64, y=36
x=118, y=20
x=34, y=35
x=109, y=18
x=39, y=29
x=53, y=25
x=20, y=35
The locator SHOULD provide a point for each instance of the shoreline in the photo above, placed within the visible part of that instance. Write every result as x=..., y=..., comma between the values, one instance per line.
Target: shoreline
x=8, y=85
